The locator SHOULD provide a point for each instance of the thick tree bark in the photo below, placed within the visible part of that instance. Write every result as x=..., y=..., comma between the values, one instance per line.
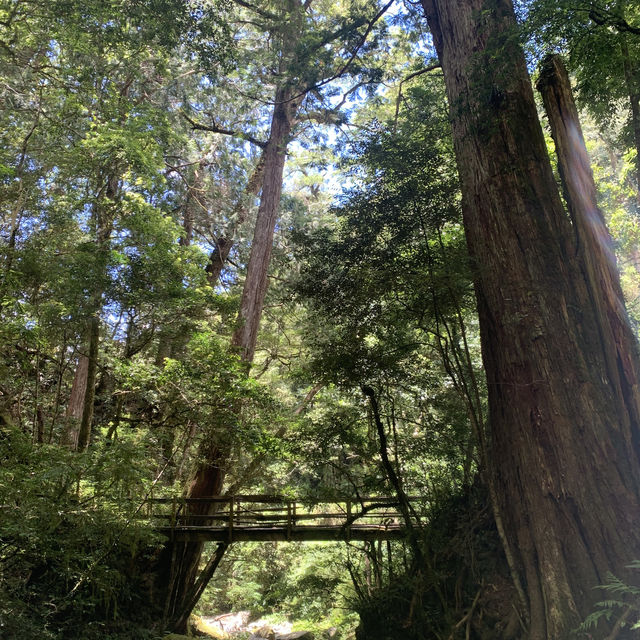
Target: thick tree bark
x=564, y=413
x=256, y=282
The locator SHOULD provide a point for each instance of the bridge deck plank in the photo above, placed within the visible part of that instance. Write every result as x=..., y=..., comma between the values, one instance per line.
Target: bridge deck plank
x=283, y=534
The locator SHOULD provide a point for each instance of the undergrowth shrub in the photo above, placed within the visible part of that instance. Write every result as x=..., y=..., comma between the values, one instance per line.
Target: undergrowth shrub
x=71, y=544
x=461, y=590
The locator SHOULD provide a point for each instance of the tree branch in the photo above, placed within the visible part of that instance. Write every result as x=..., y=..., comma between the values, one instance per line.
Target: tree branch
x=214, y=128
x=261, y=12
x=354, y=53
x=602, y=17
x=411, y=76
x=403, y=501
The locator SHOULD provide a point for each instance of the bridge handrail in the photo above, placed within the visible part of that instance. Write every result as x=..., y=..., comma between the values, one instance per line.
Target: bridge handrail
x=279, y=499
x=244, y=512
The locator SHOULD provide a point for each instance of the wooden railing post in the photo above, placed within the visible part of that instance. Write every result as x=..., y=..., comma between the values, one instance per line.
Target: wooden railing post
x=231, y=503
x=348, y=529
x=173, y=517
x=288, y=520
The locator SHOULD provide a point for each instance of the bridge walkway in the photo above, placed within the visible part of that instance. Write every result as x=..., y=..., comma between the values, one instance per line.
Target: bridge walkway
x=261, y=518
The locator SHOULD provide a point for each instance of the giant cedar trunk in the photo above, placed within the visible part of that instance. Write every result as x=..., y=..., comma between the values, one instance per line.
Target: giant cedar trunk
x=564, y=417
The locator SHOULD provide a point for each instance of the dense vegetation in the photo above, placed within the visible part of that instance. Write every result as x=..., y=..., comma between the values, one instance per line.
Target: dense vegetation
x=240, y=254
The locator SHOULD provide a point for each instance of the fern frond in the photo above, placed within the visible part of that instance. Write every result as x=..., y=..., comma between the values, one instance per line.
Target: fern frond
x=610, y=604
x=592, y=619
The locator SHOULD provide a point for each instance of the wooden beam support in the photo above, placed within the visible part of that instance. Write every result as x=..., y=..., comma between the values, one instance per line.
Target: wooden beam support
x=283, y=534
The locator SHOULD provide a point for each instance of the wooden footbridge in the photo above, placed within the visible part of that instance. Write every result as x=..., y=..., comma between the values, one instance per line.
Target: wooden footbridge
x=261, y=518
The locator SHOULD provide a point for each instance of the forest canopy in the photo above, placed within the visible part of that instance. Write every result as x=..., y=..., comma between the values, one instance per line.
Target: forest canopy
x=374, y=264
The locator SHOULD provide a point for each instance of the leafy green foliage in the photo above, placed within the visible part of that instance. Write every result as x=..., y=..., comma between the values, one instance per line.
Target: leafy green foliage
x=602, y=55
x=621, y=608
x=397, y=312
x=300, y=582
x=389, y=242
x=70, y=534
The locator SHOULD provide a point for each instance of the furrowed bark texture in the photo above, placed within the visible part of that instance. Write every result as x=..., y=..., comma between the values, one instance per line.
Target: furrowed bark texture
x=256, y=282
x=561, y=365
x=76, y=403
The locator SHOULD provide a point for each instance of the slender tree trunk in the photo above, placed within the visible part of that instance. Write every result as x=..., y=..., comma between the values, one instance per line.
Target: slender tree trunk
x=39, y=434
x=564, y=415
x=256, y=282
x=103, y=223
x=191, y=203
x=76, y=402
x=84, y=434
x=396, y=482
x=224, y=243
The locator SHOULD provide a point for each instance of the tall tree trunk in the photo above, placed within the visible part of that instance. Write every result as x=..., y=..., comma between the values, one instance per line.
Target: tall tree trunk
x=102, y=220
x=209, y=476
x=84, y=434
x=564, y=410
x=76, y=403
x=594, y=244
x=255, y=285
